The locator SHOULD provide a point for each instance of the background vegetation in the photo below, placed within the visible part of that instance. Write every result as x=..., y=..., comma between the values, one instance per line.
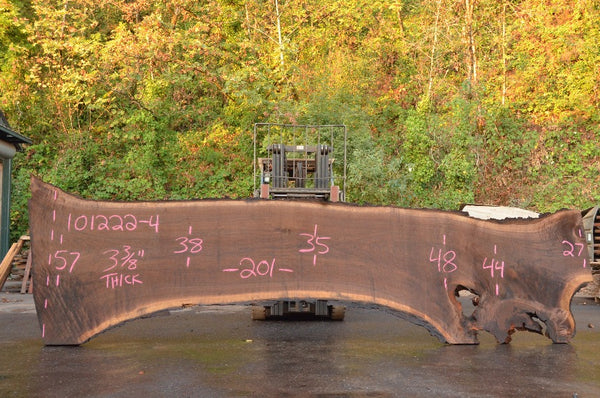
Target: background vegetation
x=446, y=101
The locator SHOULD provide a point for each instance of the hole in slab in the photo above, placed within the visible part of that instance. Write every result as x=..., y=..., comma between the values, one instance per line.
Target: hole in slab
x=468, y=299
x=534, y=318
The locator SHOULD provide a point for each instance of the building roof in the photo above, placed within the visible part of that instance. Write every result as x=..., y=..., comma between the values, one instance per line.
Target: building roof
x=9, y=135
x=497, y=212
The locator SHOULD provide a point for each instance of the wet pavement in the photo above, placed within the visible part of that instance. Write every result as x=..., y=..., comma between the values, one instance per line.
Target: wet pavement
x=217, y=351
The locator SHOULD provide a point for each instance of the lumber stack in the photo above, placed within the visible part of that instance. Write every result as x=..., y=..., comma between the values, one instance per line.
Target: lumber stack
x=98, y=264
x=16, y=266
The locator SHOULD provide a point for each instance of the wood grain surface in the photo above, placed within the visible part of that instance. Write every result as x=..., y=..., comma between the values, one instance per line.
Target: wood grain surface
x=98, y=264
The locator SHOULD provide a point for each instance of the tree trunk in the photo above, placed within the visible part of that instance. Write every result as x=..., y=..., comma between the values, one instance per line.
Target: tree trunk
x=472, y=56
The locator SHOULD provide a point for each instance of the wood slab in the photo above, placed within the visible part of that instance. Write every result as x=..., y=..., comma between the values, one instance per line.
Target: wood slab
x=98, y=264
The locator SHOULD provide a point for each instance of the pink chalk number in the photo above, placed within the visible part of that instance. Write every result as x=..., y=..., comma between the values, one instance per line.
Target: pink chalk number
x=574, y=250
x=186, y=244
x=571, y=249
x=64, y=259
x=494, y=265
x=263, y=268
x=114, y=222
x=124, y=258
x=121, y=261
x=251, y=268
x=189, y=246
x=444, y=259
x=445, y=263
x=316, y=246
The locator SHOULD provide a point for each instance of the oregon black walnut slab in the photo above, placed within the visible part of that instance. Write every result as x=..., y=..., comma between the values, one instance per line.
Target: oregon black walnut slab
x=97, y=264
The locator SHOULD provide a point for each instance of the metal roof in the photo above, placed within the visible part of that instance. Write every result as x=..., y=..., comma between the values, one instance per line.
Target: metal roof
x=9, y=135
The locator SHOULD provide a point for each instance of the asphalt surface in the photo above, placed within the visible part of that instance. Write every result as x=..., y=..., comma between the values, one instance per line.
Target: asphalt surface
x=217, y=351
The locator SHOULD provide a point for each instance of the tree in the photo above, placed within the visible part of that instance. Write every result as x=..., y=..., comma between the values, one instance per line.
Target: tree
x=156, y=100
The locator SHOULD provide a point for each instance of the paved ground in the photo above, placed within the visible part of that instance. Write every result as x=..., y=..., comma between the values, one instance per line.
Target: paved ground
x=217, y=351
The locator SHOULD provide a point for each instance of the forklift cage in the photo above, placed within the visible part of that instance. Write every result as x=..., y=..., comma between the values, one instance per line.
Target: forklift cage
x=296, y=160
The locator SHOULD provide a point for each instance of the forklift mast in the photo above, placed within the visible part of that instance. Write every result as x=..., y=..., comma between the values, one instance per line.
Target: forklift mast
x=296, y=161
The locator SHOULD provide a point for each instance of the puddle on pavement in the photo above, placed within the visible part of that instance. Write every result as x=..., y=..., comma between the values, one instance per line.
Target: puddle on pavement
x=225, y=354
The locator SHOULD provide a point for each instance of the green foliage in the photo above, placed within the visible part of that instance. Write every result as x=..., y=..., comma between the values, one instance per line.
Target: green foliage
x=143, y=100
x=13, y=38
x=568, y=169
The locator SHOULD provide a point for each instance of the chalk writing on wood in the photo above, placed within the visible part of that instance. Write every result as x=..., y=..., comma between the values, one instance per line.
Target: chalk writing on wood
x=188, y=245
x=576, y=249
x=98, y=264
x=444, y=259
x=249, y=268
x=113, y=222
x=496, y=269
x=315, y=244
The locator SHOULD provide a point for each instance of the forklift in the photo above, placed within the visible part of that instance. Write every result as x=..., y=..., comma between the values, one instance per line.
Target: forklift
x=296, y=162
